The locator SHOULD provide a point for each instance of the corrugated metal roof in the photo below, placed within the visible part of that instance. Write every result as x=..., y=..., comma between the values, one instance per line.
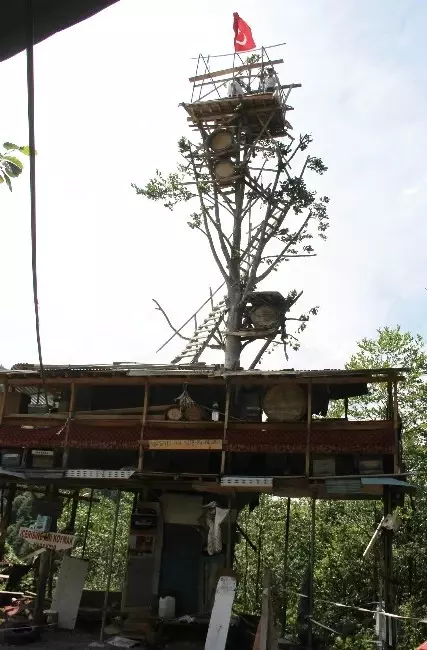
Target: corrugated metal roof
x=386, y=480
x=142, y=370
x=343, y=486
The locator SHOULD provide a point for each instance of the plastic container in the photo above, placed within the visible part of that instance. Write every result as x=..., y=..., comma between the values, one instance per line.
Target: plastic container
x=167, y=607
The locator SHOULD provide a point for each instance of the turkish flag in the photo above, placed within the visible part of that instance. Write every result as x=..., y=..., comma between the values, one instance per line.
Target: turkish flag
x=243, y=40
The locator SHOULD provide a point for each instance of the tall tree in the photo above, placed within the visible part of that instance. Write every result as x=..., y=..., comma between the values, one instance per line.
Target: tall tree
x=265, y=216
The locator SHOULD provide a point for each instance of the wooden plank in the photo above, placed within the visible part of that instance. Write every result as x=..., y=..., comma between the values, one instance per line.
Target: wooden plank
x=221, y=614
x=68, y=591
x=188, y=445
x=238, y=68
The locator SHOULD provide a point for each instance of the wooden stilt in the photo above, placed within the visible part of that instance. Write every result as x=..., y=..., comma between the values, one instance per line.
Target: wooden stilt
x=3, y=401
x=307, y=451
x=43, y=575
x=285, y=565
x=5, y=520
x=387, y=557
x=396, y=430
x=311, y=581
x=110, y=567
x=226, y=416
x=71, y=408
x=89, y=510
x=143, y=423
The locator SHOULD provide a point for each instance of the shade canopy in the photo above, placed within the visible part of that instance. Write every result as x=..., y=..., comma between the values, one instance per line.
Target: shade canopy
x=49, y=17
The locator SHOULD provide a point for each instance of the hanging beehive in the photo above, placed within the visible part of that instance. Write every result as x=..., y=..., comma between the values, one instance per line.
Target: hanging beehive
x=265, y=317
x=221, y=141
x=285, y=403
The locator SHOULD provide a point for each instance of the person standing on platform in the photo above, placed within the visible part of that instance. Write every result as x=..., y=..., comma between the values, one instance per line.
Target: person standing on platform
x=235, y=89
x=270, y=81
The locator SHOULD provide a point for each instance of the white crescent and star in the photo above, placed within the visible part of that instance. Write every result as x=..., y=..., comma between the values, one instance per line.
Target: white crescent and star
x=245, y=39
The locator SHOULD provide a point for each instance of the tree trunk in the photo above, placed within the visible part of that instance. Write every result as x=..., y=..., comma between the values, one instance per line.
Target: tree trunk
x=233, y=344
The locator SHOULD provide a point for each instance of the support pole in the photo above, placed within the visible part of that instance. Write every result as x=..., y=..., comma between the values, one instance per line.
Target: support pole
x=3, y=402
x=6, y=516
x=229, y=564
x=71, y=408
x=396, y=430
x=110, y=566
x=311, y=582
x=258, y=565
x=307, y=451
x=387, y=552
x=87, y=523
x=285, y=565
x=143, y=423
x=43, y=575
x=224, y=437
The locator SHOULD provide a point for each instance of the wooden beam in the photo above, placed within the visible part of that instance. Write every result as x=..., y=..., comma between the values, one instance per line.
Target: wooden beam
x=309, y=419
x=71, y=408
x=143, y=423
x=226, y=416
x=238, y=68
x=3, y=401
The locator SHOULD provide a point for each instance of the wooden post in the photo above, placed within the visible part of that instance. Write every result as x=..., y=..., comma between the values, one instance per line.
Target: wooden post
x=71, y=408
x=311, y=581
x=307, y=451
x=396, y=430
x=390, y=408
x=346, y=408
x=5, y=520
x=229, y=535
x=143, y=423
x=110, y=566
x=265, y=614
x=258, y=567
x=87, y=523
x=3, y=402
x=285, y=565
x=43, y=575
x=387, y=562
x=224, y=437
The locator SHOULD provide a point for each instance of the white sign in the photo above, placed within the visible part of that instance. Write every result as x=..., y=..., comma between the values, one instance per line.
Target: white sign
x=53, y=541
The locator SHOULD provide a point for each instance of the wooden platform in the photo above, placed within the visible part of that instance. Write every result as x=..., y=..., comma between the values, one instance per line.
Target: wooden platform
x=259, y=109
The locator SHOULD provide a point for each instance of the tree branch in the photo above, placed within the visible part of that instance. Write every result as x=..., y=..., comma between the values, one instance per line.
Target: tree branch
x=282, y=255
x=208, y=233
x=186, y=338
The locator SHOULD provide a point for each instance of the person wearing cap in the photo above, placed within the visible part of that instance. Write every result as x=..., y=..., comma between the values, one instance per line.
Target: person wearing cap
x=270, y=81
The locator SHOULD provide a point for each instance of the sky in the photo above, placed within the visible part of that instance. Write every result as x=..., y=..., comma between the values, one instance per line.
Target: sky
x=107, y=114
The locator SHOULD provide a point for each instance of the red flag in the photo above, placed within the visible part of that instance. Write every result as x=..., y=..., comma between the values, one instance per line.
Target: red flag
x=243, y=40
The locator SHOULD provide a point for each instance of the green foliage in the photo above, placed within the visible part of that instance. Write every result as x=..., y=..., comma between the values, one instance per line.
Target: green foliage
x=343, y=528
x=360, y=641
x=11, y=166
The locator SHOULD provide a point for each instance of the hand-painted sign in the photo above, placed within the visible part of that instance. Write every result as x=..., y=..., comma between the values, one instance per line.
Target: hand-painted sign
x=159, y=445
x=53, y=541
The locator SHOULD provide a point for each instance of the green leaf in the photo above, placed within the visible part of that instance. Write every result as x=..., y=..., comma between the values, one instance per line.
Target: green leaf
x=12, y=170
x=26, y=150
x=10, y=146
x=15, y=161
x=1, y=179
x=8, y=183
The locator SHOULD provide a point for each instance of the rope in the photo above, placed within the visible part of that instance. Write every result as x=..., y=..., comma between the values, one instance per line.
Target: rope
x=31, y=142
